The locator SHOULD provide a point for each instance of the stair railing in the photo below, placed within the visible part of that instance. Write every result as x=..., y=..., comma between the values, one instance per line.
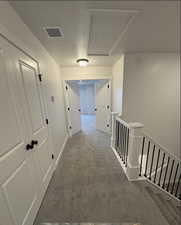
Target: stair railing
x=142, y=157
x=160, y=167
x=126, y=141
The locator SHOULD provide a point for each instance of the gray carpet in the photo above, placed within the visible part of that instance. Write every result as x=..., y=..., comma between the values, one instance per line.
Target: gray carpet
x=89, y=224
x=90, y=186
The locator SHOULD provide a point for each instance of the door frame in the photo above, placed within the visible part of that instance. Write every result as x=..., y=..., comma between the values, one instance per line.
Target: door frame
x=67, y=107
x=109, y=82
x=67, y=104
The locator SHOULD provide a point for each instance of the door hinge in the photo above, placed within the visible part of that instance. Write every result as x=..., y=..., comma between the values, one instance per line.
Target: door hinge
x=66, y=87
x=46, y=120
x=40, y=77
x=68, y=109
x=107, y=106
x=107, y=125
x=70, y=127
x=52, y=156
x=108, y=86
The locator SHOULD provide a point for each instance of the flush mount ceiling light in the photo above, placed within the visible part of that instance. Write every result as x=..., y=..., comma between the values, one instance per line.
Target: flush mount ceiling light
x=82, y=62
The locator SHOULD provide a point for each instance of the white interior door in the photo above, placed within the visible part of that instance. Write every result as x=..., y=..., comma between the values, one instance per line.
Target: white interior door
x=103, y=105
x=18, y=175
x=72, y=93
x=38, y=127
x=23, y=173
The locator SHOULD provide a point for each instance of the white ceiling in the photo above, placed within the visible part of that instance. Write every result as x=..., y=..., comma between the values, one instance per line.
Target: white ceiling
x=103, y=30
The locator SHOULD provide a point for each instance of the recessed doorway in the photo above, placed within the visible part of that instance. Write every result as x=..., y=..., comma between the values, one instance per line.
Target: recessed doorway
x=88, y=104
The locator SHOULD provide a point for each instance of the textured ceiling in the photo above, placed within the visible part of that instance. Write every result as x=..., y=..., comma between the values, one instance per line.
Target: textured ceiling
x=103, y=30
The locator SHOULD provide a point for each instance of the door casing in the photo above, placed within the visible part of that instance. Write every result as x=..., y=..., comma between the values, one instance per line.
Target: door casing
x=102, y=108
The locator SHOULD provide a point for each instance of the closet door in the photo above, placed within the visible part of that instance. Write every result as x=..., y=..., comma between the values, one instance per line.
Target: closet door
x=103, y=105
x=25, y=170
x=18, y=172
x=72, y=94
x=36, y=117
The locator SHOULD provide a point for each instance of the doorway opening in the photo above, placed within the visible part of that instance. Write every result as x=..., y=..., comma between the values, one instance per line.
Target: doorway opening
x=88, y=104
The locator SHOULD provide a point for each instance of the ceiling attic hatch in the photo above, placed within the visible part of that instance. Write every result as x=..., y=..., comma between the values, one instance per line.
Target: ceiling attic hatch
x=54, y=32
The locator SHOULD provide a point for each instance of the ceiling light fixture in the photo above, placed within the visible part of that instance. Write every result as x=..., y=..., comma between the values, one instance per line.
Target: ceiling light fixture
x=82, y=62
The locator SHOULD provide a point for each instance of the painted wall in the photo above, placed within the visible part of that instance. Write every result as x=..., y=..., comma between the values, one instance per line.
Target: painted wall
x=117, y=85
x=87, y=98
x=152, y=96
x=90, y=73
x=12, y=27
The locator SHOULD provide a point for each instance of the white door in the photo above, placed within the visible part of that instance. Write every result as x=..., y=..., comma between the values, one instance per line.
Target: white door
x=72, y=95
x=24, y=173
x=103, y=105
x=37, y=120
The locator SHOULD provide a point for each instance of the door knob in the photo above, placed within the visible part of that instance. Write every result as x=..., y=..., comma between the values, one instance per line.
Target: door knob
x=33, y=142
x=28, y=147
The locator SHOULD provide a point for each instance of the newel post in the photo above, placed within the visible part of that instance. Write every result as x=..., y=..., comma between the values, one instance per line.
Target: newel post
x=113, y=130
x=134, y=150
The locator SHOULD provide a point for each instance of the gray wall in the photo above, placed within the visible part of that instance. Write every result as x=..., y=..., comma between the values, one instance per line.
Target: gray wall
x=151, y=95
x=117, y=85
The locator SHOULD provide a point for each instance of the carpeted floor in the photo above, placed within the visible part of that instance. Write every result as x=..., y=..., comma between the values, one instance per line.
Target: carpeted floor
x=89, y=224
x=88, y=122
x=90, y=186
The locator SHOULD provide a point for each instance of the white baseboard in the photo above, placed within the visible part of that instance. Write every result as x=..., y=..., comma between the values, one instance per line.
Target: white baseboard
x=61, y=151
x=43, y=192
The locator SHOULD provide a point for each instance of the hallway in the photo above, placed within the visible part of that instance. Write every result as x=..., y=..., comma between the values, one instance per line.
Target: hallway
x=84, y=137
x=88, y=123
x=90, y=186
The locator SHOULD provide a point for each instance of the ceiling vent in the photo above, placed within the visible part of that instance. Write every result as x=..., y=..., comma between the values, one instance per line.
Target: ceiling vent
x=54, y=32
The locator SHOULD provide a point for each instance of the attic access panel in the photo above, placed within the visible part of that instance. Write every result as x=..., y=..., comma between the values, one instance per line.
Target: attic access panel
x=107, y=28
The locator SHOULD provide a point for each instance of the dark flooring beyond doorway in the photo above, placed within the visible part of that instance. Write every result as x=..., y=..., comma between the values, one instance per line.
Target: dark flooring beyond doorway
x=90, y=186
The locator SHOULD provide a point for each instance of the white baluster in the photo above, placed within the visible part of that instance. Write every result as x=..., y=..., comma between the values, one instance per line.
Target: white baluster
x=113, y=137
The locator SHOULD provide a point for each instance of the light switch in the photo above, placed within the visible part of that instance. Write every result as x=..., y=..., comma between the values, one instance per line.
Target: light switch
x=52, y=98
